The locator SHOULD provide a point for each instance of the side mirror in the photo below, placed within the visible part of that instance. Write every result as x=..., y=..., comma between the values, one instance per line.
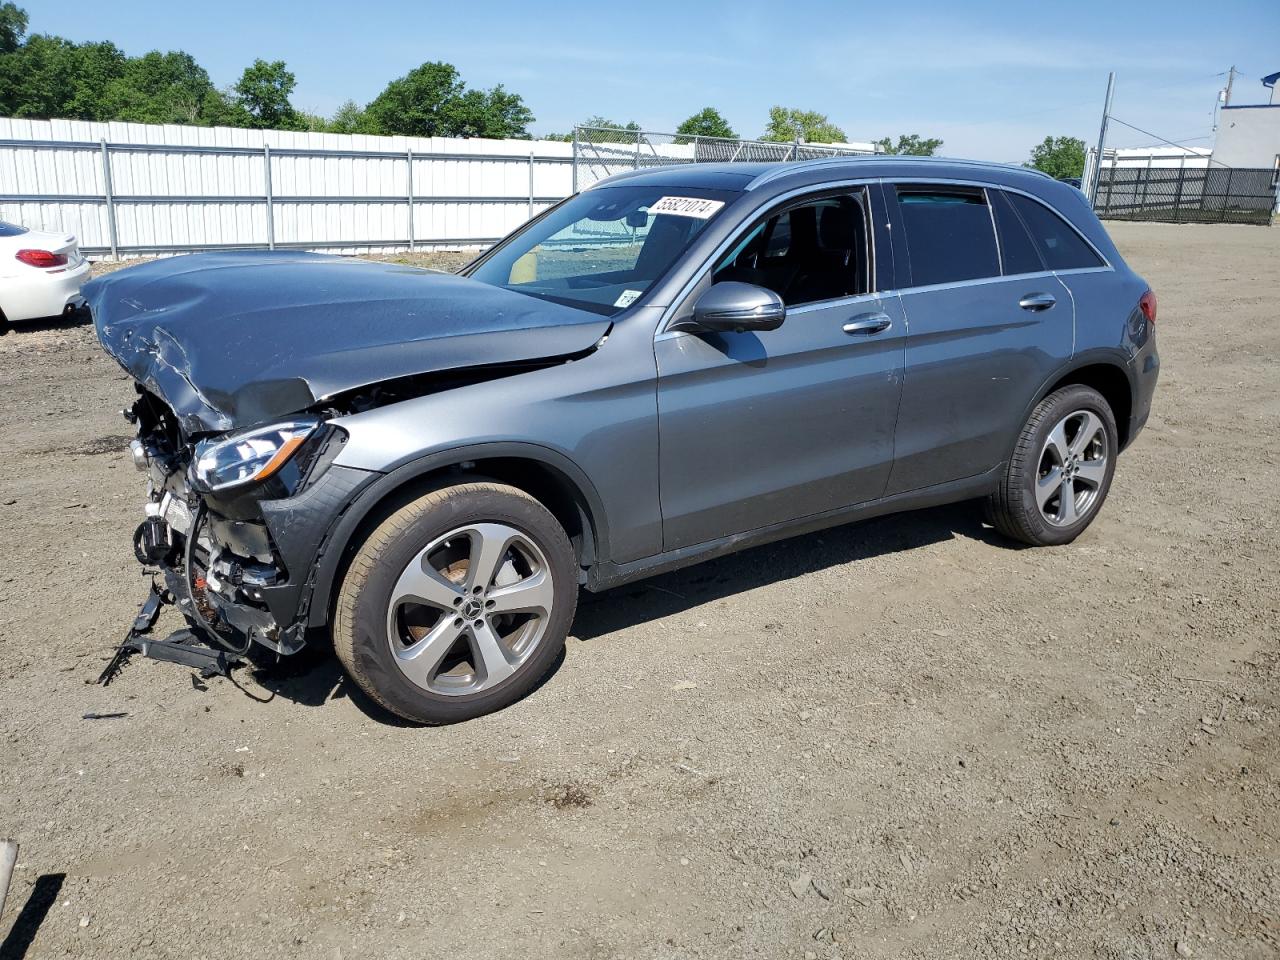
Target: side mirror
x=732, y=306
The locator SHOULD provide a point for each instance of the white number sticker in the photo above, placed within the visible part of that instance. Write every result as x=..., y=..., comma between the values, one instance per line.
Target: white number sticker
x=628, y=298
x=686, y=207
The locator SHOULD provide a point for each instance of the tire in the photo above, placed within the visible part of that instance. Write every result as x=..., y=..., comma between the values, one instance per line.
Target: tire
x=1024, y=506
x=422, y=577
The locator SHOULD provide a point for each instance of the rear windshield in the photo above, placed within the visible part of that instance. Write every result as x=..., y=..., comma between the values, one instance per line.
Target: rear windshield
x=11, y=229
x=603, y=249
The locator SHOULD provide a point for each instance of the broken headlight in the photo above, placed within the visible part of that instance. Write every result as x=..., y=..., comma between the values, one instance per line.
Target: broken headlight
x=249, y=457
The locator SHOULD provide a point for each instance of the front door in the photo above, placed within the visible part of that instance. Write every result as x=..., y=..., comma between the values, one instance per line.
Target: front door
x=758, y=428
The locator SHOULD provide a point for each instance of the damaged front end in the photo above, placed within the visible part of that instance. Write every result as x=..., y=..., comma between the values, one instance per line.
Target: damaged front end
x=207, y=534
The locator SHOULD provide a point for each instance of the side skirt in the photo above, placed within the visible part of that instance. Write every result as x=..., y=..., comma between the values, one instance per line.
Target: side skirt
x=606, y=574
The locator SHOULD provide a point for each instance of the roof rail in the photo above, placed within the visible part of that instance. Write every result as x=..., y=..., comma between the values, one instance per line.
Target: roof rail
x=784, y=169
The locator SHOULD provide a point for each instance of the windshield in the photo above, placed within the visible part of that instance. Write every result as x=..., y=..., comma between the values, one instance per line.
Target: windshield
x=602, y=249
x=11, y=229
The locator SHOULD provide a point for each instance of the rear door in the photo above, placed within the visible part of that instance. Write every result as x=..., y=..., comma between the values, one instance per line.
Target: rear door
x=758, y=428
x=987, y=323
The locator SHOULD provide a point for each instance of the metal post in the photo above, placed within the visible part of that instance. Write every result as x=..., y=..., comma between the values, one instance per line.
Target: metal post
x=795, y=150
x=695, y=148
x=111, y=200
x=408, y=154
x=1102, y=135
x=1182, y=177
x=271, y=216
x=530, y=184
x=1226, y=197
x=1111, y=187
x=1146, y=181
x=575, y=159
x=636, y=165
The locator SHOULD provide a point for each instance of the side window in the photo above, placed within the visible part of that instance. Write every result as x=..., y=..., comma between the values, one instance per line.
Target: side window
x=950, y=236
x=1018, y=253
x=1058, y=242
x=815, y=251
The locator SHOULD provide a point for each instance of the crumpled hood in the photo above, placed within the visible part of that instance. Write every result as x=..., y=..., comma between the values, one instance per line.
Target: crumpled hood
x=234, y=339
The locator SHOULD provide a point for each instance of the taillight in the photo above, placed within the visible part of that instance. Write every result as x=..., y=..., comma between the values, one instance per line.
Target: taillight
x=42, y=258
x=1147, y=304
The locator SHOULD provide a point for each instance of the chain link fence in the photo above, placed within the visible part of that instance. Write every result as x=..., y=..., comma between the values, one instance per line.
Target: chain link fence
x=600, y=152
x=1214, y=194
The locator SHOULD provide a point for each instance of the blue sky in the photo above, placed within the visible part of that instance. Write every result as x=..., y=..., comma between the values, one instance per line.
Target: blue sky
x=990, y=79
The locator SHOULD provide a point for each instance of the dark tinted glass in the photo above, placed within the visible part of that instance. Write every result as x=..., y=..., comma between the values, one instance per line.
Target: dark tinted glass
x=11, y=229
x=1059, y=244
x=1017, y=251
x=949, y=235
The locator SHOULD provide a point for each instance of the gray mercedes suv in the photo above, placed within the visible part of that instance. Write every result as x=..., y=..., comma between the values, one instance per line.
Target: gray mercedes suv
x=674, y=364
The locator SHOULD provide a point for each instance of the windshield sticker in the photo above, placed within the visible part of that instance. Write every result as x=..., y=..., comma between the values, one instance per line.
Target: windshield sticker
x=628, y=298
x=686, y=207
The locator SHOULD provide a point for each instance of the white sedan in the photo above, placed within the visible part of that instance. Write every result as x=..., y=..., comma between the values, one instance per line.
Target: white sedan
x=40, y=273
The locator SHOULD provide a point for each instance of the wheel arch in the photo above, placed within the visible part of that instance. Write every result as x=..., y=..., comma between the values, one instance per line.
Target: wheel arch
x=545, y=474
x=1107, y=374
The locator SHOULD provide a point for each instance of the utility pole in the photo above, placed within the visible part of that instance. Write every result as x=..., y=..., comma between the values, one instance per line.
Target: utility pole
x=1231, y=75
x=1102, y=138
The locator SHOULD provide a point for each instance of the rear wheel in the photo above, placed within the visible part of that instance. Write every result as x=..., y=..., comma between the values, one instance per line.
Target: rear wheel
x=1060, y=471
x=457, y=604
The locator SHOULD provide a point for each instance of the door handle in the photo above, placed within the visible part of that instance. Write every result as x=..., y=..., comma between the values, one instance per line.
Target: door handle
x=1037, y=301
x=865, y=324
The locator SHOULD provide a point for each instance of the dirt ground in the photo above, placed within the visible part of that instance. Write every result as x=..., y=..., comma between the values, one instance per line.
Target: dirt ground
x=903, y=738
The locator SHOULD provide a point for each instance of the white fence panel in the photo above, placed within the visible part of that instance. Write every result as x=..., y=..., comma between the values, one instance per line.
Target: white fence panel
x=188, y=188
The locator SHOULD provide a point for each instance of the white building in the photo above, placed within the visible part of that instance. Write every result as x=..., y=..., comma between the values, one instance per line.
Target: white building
x=1249, y=134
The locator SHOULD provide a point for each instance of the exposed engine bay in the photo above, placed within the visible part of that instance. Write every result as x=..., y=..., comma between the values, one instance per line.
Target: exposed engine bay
x=214, y=552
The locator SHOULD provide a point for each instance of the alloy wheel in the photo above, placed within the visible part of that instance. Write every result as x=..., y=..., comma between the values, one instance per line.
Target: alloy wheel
x=470, y=609
x=1073, y=468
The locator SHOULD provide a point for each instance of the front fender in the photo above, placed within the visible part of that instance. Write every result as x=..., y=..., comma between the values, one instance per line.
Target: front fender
x=329, y=559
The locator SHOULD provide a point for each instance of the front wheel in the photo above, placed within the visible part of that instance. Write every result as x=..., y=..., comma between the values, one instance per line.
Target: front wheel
x=457, y=604
x=1060, y=471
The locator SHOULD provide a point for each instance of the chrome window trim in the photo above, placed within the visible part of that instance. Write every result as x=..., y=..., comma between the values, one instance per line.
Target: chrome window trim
x=975, y=282
x=995, y=230
x=1076, y=270
x=865, y=183
x=834, y=302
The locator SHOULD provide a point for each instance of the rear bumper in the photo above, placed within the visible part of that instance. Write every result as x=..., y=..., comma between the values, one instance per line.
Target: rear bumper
x=1144, y=369
x=39, y=293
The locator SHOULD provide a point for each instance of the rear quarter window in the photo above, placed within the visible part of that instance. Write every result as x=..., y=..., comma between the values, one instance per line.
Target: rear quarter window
x=950, y=236
x=1057, y=241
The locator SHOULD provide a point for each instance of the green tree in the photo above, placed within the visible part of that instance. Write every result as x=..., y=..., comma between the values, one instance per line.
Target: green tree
x=787, y=124
x=53, y=77
x=432, y=101
x=13, y=25
x=707, y=122
x=162, y=88
x=1059, y=157
x=494, y=113
x=347, y=118
x=910, y=145
x=262, y=93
